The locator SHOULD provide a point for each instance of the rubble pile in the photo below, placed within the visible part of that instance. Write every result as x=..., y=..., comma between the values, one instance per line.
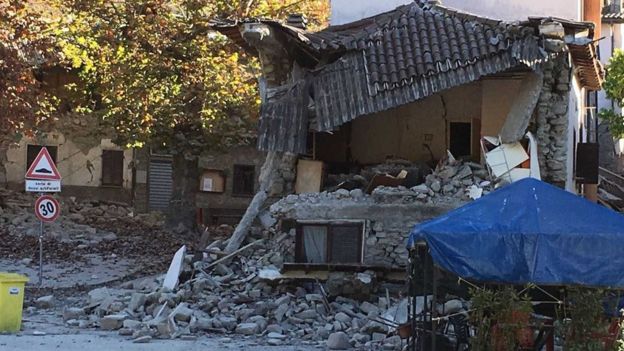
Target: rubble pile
x=18, y=218
x=84, y=227
x=360, y=178
x=451, y=179
x=238, y=298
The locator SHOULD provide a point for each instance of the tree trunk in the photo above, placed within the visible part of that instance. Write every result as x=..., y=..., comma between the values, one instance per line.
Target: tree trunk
x=185, y=184
x=267, y=173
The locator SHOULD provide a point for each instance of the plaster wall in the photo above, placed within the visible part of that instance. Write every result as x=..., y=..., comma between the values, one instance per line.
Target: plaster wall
x=497, y=98
x=401, y=132
x=78, y=166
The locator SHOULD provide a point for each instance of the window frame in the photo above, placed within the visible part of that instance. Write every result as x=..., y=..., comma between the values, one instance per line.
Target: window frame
x=216, y=171
x=235, y=191
x=299, y=246
x=104, y=169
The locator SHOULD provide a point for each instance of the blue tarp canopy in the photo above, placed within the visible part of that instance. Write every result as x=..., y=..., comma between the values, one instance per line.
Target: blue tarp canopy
x=529, y=232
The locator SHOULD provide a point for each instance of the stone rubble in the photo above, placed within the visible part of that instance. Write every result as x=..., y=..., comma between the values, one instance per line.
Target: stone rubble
x=235, y=301
x=77, y=222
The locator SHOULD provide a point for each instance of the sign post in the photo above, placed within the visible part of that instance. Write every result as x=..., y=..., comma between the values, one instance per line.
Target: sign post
x=43, y=177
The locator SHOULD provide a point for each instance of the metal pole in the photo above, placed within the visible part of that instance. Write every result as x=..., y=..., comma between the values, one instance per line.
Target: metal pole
x=41, y=254
x=434, y=305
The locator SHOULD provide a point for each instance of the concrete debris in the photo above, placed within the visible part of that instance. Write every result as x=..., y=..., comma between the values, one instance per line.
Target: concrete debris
x=338, y=341
x=238, y=301
x=45, y=302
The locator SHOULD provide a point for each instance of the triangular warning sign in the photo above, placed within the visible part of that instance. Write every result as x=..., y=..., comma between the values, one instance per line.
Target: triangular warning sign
x=43, y=167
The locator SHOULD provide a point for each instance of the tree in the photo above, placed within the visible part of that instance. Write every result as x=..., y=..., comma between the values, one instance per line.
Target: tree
x=26, y=48
x=160, y=78
x=614, y=87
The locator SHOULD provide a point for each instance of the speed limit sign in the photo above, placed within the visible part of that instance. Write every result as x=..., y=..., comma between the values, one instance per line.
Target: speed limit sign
x=47, y=208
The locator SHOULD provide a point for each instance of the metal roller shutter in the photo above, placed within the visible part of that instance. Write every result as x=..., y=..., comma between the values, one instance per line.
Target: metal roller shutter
x=160, y=184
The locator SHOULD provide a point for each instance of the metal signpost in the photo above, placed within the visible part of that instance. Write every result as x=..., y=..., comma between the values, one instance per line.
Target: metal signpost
x=43, y=177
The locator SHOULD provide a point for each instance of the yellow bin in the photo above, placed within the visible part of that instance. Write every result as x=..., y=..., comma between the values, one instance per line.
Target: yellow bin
x=11, y=301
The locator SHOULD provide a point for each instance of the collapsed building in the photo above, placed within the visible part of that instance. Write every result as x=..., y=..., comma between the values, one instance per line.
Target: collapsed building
x=373, y=126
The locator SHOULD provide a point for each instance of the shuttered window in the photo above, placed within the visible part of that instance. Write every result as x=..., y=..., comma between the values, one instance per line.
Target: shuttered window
x=329, y=243
x=243, y=180
x=112, y=167
x=33, y=150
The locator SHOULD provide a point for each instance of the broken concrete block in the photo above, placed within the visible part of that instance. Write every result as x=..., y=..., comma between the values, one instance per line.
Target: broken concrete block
x=342, y=317
x=98, y=295
x=436, y=186
x=73, y=313
x=137, y=301
x=45, y=302
x=166, y=328
x=273, y=335
x=125, y=332
x=182, y=313
x=247, y=329
x=112, y=322
x=338, y=341
x=132, y=324
x=142, y=339
x=228, y=323
x=307, y=314
x=260, y=321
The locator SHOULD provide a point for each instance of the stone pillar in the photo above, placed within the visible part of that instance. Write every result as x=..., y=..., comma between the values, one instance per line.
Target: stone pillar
x=552, y=119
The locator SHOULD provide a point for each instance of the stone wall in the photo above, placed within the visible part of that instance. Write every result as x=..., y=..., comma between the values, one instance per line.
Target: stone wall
x=388, y=218
x=551, y=119
x=224, y=162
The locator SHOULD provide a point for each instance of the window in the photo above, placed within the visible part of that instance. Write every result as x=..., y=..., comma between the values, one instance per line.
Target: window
x=112, y=167
x=244, y=180
x=33, y=150
x=329, y=243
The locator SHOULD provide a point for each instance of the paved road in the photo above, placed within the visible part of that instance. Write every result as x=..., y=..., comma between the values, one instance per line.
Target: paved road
x=95, y=341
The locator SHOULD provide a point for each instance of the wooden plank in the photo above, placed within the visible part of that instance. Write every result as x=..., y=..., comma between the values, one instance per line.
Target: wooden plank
x=309, y=176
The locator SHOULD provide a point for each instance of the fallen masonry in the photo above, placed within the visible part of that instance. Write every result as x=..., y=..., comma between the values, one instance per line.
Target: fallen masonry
x=236, y=301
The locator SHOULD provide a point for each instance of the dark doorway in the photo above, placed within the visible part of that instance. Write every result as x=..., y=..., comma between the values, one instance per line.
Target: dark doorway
x=459, y=139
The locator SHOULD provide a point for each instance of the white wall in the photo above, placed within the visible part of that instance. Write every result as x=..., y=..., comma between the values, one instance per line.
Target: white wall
x=605, y=48
x=72, y=161
x=344, y=11
x=519, y=9
x=575, y=115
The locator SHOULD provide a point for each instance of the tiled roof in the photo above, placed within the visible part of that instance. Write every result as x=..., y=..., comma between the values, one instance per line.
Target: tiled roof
x=386, y=61
x=420, y=40
x=613, y=16
x=613, y=13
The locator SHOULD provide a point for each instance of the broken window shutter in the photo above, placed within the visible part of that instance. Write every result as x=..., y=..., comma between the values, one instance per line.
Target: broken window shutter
x=346, y=244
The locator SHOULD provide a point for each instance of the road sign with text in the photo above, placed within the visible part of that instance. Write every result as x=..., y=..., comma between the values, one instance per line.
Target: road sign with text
x=42, y=175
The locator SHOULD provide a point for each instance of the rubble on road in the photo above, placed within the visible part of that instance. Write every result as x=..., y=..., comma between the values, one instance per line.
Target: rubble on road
x=232, y=299
x=86, y=227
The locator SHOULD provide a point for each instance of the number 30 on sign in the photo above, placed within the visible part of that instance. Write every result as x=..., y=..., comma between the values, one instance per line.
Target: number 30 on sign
x=47, y=208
